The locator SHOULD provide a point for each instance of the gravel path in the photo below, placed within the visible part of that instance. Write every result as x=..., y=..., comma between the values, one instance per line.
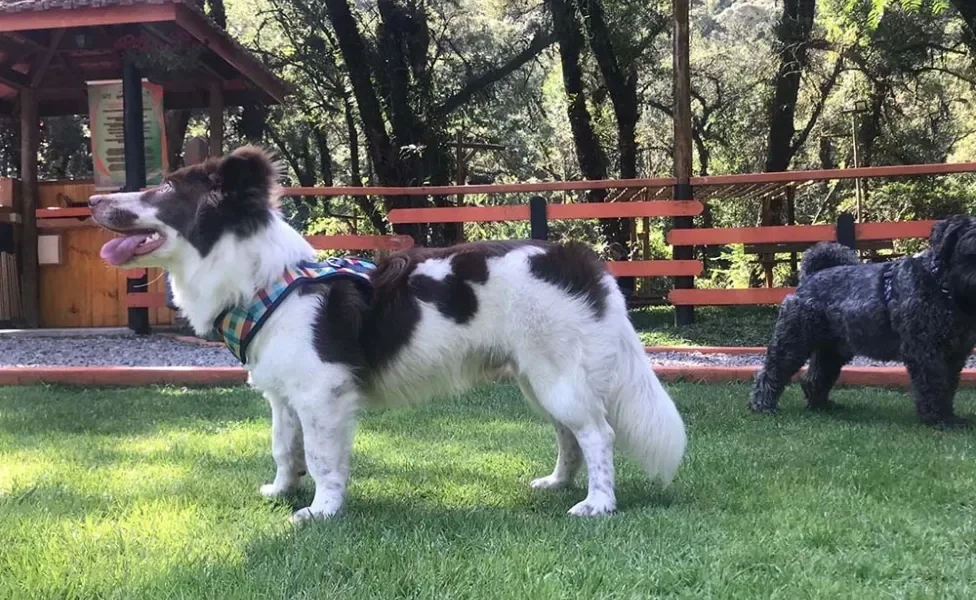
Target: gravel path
x=164, y=351
x=748, y=360
x=110, y=350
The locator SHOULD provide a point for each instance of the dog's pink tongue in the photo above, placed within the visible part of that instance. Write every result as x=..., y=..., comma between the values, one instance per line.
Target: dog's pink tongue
x=120, y=250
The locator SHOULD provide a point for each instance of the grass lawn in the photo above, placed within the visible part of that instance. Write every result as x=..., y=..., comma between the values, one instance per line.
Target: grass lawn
x=714, y=326
x=152, y=493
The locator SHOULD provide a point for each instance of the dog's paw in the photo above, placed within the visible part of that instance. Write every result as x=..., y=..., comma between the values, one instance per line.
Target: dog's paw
x=548, y=482
x=594, y=507
x=761, y=408
x=953, y=422
x=273, y=491
x=306, y=515
x=826, y=406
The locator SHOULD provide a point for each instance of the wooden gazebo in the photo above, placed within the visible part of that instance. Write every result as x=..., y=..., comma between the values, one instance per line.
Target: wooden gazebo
x=50, y=50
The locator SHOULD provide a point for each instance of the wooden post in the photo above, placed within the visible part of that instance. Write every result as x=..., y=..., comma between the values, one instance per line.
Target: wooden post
x=29, y=133
x=791, y=220
x=683, y=315
x=846, y=230
x=216, y=119
x=538, y=220
x=135, y=172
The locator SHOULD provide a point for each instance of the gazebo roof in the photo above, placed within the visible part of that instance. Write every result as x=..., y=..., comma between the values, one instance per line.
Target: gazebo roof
x=57, y=46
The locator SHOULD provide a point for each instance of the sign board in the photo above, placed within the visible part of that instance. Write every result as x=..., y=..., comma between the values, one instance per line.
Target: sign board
x=108, y=146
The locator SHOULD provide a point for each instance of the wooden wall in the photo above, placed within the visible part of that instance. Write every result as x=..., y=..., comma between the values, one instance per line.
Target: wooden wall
x=84, y=291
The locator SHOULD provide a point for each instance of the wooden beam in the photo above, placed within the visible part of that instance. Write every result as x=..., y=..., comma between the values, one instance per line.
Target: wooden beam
x=893, y=231
x=216, y=119
x=29, y=133
x=198, y=27
x=624, y=210
x=723, y=297
x=58, y=18
x=520, y=212
x=360, y=242
x=827, y=174
x=40, y=69
x=160, y=35
x=145, y=300
x=655, y=268
x=465, y=214
x=785, y=234
x=751, y=235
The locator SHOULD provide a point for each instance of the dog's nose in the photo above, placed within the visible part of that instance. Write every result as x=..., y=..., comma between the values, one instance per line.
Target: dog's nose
x=93, y=200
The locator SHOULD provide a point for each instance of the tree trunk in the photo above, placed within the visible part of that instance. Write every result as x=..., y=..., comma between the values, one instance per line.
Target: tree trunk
x=967, y=10
x=215, y=10
x=592, y=159
x=793, y=37
x=379, y=146
x=621, y=84
x=176, y=122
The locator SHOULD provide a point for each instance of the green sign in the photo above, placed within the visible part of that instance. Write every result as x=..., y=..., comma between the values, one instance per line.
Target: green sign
x=108, y=144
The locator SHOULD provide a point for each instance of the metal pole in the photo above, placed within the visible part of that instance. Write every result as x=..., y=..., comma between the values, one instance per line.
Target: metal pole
x=135, y=173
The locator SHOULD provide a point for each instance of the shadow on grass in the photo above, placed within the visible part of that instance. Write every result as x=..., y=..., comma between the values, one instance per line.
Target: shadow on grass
x=388, y=549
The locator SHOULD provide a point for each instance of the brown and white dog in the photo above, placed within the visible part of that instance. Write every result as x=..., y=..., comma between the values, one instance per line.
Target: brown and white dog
x=436, y=323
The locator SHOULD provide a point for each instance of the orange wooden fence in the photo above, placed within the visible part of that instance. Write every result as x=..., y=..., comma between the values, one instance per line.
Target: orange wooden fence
x=60, y=214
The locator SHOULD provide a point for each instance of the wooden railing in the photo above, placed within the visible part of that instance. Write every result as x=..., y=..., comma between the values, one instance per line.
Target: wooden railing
x=627, y=199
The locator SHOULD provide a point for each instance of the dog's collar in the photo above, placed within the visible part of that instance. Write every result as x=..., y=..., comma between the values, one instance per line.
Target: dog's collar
x=238, y=325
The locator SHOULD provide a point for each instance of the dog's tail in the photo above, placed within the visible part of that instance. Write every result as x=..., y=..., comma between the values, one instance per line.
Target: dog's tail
x=826, y=255
x=643, y=416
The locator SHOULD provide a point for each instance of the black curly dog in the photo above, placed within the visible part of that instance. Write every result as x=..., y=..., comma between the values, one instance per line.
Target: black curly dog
x=919, y=309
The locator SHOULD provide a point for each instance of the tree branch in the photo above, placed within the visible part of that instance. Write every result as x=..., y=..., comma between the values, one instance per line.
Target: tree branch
x=825, y=89
x=483, y=81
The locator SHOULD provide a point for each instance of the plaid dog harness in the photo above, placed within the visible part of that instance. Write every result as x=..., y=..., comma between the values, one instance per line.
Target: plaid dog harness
x=238, y=325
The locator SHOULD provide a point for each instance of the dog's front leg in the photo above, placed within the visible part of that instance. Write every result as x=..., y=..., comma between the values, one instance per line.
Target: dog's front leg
x=286, y=447
x=328, y=421
x=933, y=387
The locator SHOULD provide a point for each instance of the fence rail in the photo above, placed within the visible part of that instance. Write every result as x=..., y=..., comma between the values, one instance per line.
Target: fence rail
x=626, y=199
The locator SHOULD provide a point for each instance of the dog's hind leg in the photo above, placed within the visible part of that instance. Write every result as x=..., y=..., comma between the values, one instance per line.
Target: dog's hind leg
x=825, y=366
x=934, y=382
x=572, y=409
x=791, y=346
x=568, y=456
x=568, y=461
x=286, y=447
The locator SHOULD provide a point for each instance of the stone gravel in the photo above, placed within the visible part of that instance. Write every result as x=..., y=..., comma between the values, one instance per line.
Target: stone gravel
x=110, y=350
x=748, y=360
x=165, y=351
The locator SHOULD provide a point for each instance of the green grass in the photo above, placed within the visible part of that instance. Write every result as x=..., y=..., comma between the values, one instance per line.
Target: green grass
x=714, y=326
x=152, y=493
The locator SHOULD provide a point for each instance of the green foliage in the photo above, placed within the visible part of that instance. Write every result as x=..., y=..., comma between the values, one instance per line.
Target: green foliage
x=909, y=64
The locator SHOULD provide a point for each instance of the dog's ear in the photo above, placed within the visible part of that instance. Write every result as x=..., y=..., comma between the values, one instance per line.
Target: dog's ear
x=944, y=236
x=247, y=175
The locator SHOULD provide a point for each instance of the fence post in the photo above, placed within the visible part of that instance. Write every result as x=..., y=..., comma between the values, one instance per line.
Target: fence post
x=537, y=218
x=845, y=230
x=135, y=174
x=684, y=315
